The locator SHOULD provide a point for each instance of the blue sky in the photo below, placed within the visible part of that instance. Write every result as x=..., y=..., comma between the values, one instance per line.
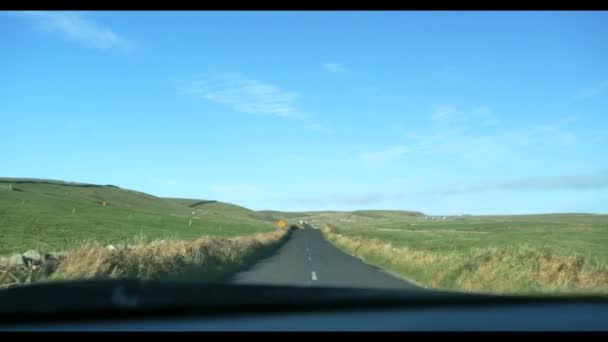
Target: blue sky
x=441, y=112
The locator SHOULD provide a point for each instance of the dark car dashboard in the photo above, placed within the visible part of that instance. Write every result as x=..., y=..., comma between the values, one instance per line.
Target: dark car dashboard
x=136, y=306
x=587, y=317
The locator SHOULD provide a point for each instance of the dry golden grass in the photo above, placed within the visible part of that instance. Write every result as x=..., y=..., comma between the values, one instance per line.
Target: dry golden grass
x=203, y=259
x=520, y=269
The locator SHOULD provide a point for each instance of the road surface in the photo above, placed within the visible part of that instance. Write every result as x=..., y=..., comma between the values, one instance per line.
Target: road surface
x=307, y=259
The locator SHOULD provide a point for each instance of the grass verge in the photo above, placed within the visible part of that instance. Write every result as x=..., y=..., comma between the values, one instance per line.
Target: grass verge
x=206, y=259
x=517, y=269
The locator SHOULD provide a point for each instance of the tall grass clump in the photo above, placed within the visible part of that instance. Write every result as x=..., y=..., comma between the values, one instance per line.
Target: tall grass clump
x=518, y=269
x=205, y=259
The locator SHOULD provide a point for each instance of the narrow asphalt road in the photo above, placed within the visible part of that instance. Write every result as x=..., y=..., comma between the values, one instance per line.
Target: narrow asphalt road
x=307, y=259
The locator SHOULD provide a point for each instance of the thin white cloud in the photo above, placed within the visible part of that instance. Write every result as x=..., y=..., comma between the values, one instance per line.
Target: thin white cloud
x=485, y=116
x=385, y=155
x=593, y=91
x=318, y=127
x=445, y=114
x=464, y=134
x=334, y=67
x=243, y=94
x=577, y=182
x=450, y=115
x=76, y=28
x=553, y=134
x=447, y=134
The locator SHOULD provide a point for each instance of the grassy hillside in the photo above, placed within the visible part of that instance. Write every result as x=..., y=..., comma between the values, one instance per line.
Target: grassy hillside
x=55, y=215
x=527, y=253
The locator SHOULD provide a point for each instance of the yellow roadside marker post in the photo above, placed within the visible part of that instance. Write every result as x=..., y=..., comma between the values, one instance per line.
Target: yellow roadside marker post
x=281, y=224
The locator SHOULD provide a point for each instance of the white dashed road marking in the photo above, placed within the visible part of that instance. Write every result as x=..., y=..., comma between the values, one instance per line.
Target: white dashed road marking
x=314, y=275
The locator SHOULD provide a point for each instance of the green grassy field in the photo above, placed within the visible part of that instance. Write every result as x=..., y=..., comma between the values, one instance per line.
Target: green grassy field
x=528, y=253
x=54, y=215
x=565, y=234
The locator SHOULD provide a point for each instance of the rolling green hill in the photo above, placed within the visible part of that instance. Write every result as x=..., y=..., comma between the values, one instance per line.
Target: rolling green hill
x=54, y=215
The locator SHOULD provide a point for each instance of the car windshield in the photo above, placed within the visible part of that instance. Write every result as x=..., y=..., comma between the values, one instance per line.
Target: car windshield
x=411, y=151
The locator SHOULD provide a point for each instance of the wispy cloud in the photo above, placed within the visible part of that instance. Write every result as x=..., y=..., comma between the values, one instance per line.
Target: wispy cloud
x=484, y=115
x=243, y=94
x=334, y=67
x=387, y=154
x=593, y=91
x=318, y=127
x=453, y=132
x=445, y=114
x=589, y=181
x=445, y=134
x=450, y=115
x=75, y=27
x=577, y=182
x=545, y=135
